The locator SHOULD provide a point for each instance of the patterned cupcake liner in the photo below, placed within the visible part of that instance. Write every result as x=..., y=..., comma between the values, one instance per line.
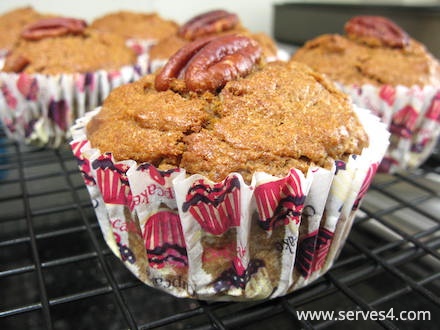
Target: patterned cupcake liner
x=412, y=115
x=228, y=240
x=39, y=109
x=140, y=46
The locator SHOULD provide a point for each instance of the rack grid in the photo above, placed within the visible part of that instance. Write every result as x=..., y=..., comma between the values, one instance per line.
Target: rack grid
x=56, y=271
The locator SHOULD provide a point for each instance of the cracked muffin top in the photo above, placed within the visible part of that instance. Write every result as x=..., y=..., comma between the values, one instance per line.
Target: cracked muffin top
x=66, y=45
x=272, y=118
x=373, y=50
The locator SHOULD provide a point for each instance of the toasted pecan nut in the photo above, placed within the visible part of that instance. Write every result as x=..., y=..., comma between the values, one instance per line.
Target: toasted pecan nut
x=208, y=23
x=15, y=64
x=177, y=63
x=53, y=27
x=208, y=64
x=376, y=31
x=221, y=60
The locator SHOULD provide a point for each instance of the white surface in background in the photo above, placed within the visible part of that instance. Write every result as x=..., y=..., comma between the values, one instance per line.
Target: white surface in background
x=256, y=15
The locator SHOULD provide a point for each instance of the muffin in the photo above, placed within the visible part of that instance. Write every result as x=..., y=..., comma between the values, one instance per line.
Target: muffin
x=225, y=177
x=215, y=22
x=382, y=68
x=56, y=71
x=141, y=30
x=11, y=24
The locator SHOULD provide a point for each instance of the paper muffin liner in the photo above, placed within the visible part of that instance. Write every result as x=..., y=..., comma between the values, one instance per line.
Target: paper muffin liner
x=228, y=240
x=39, y=109
x=412, y=115
x=140, y=46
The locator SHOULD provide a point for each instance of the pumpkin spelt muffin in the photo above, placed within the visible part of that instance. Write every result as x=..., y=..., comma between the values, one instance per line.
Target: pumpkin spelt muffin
x=136, y=27
x=11, y=24
x=382, y=68
x=280, y=116
x=215, y=22
x=209, y=164
x=351, y=61
x=86, y=52
x=58, y=69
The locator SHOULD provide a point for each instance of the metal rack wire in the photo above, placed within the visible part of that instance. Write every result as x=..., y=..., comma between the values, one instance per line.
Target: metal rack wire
x=57, y=273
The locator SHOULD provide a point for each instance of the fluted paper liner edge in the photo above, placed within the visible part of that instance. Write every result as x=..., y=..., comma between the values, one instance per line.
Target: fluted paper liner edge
x=412, y=115
x=39, y=109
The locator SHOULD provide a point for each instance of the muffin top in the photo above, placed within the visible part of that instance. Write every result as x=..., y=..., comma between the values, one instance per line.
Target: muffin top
x=135, y=25
x=215, y=22
x=66, y=45
x=12, y=22
x=373, y=50
x=269, y=117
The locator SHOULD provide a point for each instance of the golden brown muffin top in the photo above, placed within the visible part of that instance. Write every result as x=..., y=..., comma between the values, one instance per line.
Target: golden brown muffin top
x=135, y=25
x=281, y=115
x=12, y=22
x=71, y=53
x=353, y=59
x=166, y=47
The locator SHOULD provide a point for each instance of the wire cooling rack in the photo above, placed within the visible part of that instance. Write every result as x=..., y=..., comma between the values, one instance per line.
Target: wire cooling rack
x=57, y=273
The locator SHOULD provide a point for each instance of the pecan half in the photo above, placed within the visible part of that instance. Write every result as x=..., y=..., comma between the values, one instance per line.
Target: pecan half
x=53, y=27
x=376, y=31
x=221, y=60
x=177, y=63
x=208, y=64
x=208, y=23
x=15, y=64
